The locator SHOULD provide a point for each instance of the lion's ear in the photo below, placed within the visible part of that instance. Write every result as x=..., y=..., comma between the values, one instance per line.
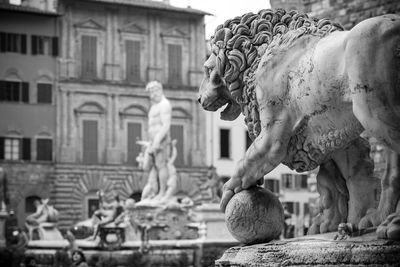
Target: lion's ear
x=231, y=112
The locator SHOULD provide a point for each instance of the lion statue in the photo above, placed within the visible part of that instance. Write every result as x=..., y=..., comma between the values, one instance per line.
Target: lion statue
x=308, y=90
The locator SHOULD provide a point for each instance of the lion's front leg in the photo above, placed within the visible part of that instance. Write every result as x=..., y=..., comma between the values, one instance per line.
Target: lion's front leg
x=265, y=153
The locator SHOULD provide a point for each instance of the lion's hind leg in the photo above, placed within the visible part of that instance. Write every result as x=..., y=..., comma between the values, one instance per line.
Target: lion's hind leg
x=388, y=212
x=357, y=167
x=333, y=201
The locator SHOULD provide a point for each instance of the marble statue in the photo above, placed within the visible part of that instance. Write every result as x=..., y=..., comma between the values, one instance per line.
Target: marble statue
x=43, y=220
x=106, y=214
x=160, y=152
x=308, y=90
x=212, y=185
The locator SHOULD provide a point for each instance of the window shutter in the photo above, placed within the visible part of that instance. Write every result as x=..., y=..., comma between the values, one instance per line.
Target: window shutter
x=44, y=149
x=132, y=60
x=2, y=90
x=174, y=64
x=136, y=61
x=54, y=44
x=1, y=147
x=23, y=43
x=26, y=149
x=3, y=42
x=89, y=53
x=34, y=44
x=44, y=93
x=177, y=133
x=90, y=141
x=134, y=134
x=93, y=54
x=25, y=92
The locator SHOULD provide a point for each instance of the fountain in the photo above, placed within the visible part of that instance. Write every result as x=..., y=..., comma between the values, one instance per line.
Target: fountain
x=163, y=229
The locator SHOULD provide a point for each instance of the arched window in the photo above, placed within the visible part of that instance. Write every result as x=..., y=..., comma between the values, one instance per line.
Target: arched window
x=136, y=196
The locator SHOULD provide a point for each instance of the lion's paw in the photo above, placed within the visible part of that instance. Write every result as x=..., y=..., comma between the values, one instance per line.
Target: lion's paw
x=371, y=219
x=390, y=228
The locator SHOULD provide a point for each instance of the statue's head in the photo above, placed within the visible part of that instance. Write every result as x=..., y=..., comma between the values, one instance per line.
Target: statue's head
x=155, y=90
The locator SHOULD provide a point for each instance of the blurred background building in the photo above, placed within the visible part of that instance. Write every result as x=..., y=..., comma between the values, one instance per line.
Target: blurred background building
x=73, y=102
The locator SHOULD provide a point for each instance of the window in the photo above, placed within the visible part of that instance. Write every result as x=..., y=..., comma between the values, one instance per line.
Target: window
x=272, y=185
x=44, y=45
x=224, y=139
x=177, y=133
x=134, y=134
x=12, y=148
x=287, y=181
x=93, y=205
x=90, y=143
x=13, y=42
x=15, y=148
x=137, y=196
x=174, y=64
x=44, y=93
x=44, y=149
x=89, y=57
x=132, y=60
x=300, y=181
x=14, y=91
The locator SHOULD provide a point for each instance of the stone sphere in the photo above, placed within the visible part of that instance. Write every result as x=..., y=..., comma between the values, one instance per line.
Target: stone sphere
x=254, y=216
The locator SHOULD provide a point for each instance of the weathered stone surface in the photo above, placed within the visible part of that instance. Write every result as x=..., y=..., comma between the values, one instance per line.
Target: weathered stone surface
x=308, y=90
x=315, y=250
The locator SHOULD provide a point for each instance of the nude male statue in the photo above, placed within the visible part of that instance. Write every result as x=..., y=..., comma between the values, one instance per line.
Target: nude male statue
x=158, y=151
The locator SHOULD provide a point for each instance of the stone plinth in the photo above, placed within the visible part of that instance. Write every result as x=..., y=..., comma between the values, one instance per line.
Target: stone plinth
x=315, y=250
x=164, y=223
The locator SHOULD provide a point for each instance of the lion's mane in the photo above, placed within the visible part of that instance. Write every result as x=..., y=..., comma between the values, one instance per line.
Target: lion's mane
x=239, y=44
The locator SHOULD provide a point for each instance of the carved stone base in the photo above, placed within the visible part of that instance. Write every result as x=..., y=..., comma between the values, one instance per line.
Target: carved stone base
x=315, y=250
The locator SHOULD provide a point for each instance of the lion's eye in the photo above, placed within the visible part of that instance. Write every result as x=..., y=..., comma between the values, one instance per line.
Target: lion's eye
x=207, y=71
x=216, y=79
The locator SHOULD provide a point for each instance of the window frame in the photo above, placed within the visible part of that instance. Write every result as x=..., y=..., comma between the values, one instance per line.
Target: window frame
x=38, y=94
x=51, y=147
x=22, y=88
x=229, y=154
x=24, y=148
x=13, y=42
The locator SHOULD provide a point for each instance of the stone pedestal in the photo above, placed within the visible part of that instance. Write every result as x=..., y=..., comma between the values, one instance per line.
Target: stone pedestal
x=164, y=223
x=318, y=250
x=3, y=217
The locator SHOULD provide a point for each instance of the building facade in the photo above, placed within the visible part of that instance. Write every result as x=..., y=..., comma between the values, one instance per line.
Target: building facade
x=28, y=86
x=73, y=100
x=111, y=49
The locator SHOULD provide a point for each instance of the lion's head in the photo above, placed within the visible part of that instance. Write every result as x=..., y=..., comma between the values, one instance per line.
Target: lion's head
x=214, y=92
x=237, y=47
